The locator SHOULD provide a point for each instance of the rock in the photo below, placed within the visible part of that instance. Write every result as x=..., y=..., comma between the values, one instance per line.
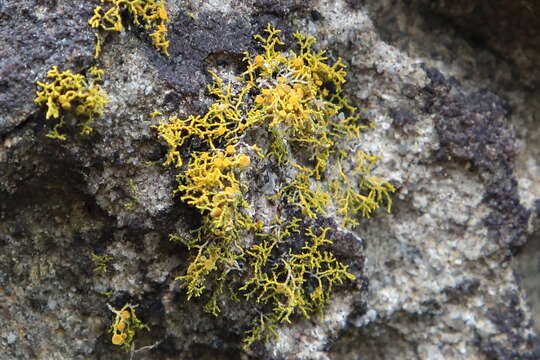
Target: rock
x=448, y=274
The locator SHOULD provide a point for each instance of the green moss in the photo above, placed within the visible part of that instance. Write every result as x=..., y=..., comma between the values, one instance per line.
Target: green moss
x=284, y=267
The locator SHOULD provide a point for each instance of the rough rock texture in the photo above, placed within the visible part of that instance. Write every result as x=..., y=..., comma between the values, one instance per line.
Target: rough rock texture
x=450, y=274
x=36, y=35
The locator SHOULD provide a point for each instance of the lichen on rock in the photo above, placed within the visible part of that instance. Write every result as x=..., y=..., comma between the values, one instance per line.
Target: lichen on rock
x=453, y=105
x=278, y=261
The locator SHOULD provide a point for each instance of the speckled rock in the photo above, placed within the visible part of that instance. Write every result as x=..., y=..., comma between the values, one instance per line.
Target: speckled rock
x=449, y=274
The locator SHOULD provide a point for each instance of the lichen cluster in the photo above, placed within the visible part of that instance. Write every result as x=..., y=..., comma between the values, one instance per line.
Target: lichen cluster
x=211, y=186
x=82, y=93
x=124, y=326
x=293, y=102
x=150, y=14
x=69, y=92
x=366, y=195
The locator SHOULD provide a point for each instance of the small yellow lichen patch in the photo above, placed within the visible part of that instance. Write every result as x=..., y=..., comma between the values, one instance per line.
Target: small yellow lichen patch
x=363, y=197
x=151, y=14
x=295, y=98
x=66, y=91
x=124, y=326
x=125, y=314
x=118, y=339
x=244, y=161
x=284, y=285
x=229, y=149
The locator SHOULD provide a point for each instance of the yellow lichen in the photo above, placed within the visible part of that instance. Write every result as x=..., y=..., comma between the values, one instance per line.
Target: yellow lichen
x=295, y=99
x=65, y=91
x=298, y=282
x=294, y=102
x=366, y=195
x=312, y=203
x=150, y=14
x=224, y=121
x=210, y=184
x=124, y=326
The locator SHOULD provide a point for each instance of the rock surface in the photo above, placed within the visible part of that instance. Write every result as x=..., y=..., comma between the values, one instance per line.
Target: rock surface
x=449, y=274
